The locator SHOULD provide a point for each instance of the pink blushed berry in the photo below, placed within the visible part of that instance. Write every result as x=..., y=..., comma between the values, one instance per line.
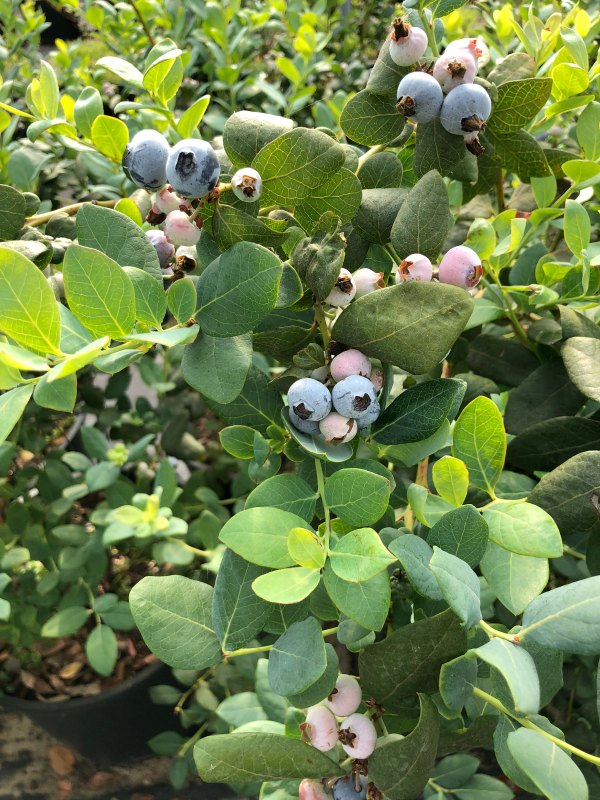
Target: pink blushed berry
x=179, y=229
x=377, y=378
x=312, y=790
x=415, y=267
x=345, y=697
x=167, y=200
x=407, y=43
x=453, y=69
x=350, y=362
x=466, y=45
x=461, y=266
x=344, y=290
x=321, y=728
x=337, y=429
x=367, y=281
x=358, y=736
x=164, y=249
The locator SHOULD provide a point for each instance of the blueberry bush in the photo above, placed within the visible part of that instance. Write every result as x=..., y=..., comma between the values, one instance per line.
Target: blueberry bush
x=394, y=317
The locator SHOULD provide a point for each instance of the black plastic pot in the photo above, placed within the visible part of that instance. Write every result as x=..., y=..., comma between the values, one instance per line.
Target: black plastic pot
x=108, y=728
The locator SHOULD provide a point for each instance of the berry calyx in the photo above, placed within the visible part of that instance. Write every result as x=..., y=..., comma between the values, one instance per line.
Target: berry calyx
x=419, y=97
x=337, y=429
x=343, y=292
x=358, y=736
x=415, y=267
x=345, y=697
x=246, y=184
x=353, y=396
x=460, y=266
x=186, y=258
x=320, y=728
x=309, y=399
x=350, y=362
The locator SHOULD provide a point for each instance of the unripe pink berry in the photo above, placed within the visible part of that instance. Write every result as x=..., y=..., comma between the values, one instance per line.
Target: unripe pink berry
x=321, y=727
x=461, y=266
x=468, y=45
x=453, y=69
x=345, y=697
x=407, y=43
x=337, y=429
x=350, y=362
x=367, y=281
x=377, y=378
x=164, y=249
x=179, y=229
x=312, y=790
x=415, y=267
x=166, y=200
x=358, y=736
x=344, y=290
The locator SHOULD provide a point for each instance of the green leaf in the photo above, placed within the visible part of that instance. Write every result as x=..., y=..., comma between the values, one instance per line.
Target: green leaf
x=28, y=310
x=59, y=395
x=238, y=440
x=479, y=440
x=524, y=529
x=192, y=116
x=566, y=618
x=260, y=535
x=305, y=547
x=377, y=212
x=415, y=554
x=366, y=603
x=459, y=585
x=517, y=103
x=588, y=127
x=12, y=406
x=118, y=237
x=101, y=649
x=19, y=358
x=453, y=771
x=341, y=193
x=241, y=708
x=418, y=412
x=287, y=586
x=181, y=299
x=49, y=91
x=371, y=119
x=385, y=75
x=356, y=496
x=88, y=106
x=411, y=326
x=549, y=767
x=401, y=766
x=546, y=445
x=483, y=787
x=410, y=658
x=577, y=227
x=412, y=231
x=238, y=290
x=173, y=615
x=581, y=356
x=318, y=258
x=123, y=69
x=319, y=690
x=382, y=171
x=298, y=658
x=244, y=757
x=436, y=149
x=359, y=555
x=216, y=367
x=65, y=622
x=73, y=335
x=150, y=300
x=295, y=163
x=514, y=579
x=238, y=615
x=247, y=132
x=110, y=136
x=520, y=153
x=463, y=533
x=500, y=359
x=457, y=680
x=13, y=211
x=288, y=492
x=518, y=670
x=258, y=405
x=81, y=358
x=99, y=292
x=231, y=224
x=451, y=479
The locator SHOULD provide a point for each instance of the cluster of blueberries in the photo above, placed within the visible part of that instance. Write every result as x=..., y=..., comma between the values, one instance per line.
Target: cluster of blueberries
x=448, y=92
x=180, y=175
x=336, y=721
x=350, y=406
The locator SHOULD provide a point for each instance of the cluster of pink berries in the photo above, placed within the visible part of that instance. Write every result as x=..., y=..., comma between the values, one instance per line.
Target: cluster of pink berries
x=466, y=106
x=336, y=722
x=338, y=401
x=460, y=266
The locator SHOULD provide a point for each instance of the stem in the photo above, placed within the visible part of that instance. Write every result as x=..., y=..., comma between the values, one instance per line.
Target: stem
x=388, y=381
x=571, y=552
x=491, y=632
x=321, y=490
x=191, y=548
x=371, y=152
x=192, y=740
x=517, y=327
x=430, y=33
x=40, y=219
x=527, y=723
x=248, y=651
x=500, y=191
x=392, y=252
x=421, y=477
x=321, y=321
x=143, y=23
x=436, y=787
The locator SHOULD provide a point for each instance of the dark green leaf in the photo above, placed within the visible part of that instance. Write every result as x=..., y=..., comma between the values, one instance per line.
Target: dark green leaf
x=463, y=533
x=412, y=231
x=298, y=658
x=217, y=367
x=546, y=445
x=545, y=393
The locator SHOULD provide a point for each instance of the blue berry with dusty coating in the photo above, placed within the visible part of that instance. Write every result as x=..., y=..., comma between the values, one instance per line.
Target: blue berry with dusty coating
x=193, y=168
x=354, y=396
x=309, y=399
x=145, y=159
x=420, y=97
x=345, y=788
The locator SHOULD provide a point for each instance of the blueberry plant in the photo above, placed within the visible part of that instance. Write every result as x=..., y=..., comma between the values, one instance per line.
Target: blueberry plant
x=397, y=324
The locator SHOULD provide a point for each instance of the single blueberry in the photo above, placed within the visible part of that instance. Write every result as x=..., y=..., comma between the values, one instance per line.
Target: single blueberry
x=309, y=399
x=345, y=788
x=145, y=159
x=193, y=168
x=353, y=396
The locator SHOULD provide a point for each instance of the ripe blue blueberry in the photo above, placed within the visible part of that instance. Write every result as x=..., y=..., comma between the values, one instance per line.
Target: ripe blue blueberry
x=419, y=96
x=354, y=396
x=193, y=168
x=246, y=184
x=309, y=399
x=145, y=159
x=465, y=109
x=345, y=788
x=304, y=425
x=370, y=417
